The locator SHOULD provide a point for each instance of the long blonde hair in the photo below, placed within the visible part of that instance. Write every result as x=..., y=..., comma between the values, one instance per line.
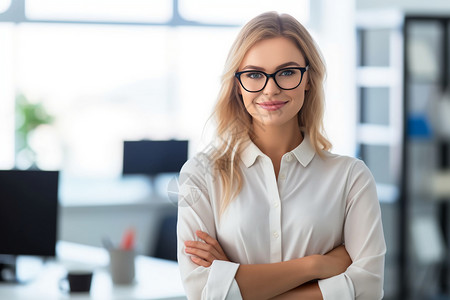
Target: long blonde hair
x=234, y=123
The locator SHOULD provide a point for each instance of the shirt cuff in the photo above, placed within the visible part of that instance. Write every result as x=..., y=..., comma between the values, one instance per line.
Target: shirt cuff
x=339, y=287
x=221, y=283
x=234, y=293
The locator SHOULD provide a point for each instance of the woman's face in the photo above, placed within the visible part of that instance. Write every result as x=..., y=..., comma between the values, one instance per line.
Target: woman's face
x=273, y=106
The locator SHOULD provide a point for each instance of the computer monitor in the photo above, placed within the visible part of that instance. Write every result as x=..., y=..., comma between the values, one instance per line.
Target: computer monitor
x=151, y=157
x=28, y=213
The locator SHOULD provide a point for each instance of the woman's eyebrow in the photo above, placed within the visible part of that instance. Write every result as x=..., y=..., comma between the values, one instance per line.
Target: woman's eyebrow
x=291, y=63
x=252, y=67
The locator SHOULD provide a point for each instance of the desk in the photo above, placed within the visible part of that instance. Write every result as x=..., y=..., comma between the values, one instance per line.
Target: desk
x=155, y=278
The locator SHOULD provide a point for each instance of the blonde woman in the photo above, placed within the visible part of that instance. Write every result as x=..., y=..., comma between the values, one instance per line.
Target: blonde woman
x=268, y=212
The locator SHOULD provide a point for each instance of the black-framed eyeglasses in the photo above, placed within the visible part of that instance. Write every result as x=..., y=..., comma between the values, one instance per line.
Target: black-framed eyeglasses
x=286, y=79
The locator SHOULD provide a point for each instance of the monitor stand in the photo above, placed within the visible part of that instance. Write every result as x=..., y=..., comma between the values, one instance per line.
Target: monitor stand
x=20, y=269
x=8, y=269
x=152, y=183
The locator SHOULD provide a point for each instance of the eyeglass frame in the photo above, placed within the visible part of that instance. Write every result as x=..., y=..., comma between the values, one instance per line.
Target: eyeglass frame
x=268, y=76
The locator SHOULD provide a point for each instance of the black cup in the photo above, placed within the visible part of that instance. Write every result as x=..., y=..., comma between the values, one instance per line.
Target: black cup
x=76, y=282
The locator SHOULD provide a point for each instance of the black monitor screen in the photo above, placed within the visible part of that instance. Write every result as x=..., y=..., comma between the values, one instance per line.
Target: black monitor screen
x=28, y=212
x=154, y=157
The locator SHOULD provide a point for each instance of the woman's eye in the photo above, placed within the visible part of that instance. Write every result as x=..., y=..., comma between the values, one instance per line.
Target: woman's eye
x=287, y=72
x=254, y=75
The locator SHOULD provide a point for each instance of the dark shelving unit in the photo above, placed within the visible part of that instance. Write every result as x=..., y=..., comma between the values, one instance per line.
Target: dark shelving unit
x=426, y=80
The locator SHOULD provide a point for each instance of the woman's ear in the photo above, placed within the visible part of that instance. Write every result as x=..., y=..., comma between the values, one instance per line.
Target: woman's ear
x=307, y=86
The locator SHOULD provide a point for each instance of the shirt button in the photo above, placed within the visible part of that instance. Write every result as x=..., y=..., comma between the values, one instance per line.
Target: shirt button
x=275, y=234
x=289, y=157
x=282, y=176
x=276, y=204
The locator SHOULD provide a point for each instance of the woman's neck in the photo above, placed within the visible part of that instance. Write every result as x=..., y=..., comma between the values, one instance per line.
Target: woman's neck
x=275, y=141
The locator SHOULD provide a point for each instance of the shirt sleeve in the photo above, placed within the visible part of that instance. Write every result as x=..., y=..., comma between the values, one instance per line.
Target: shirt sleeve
x=364, y=241
x=196, y=213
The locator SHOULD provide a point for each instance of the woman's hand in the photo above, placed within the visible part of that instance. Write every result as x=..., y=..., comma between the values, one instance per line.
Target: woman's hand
x=333, y=263
x=204, y=253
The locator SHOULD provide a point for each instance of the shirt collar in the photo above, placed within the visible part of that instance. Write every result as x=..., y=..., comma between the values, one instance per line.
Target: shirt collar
x=250, y=153
x=303, y=152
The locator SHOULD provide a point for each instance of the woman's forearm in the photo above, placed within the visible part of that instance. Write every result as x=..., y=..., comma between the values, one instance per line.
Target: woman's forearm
x=310, y=291
x=269, y=280
x=264, y=281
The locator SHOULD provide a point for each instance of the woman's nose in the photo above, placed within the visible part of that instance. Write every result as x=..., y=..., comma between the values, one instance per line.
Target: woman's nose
x=271, y=87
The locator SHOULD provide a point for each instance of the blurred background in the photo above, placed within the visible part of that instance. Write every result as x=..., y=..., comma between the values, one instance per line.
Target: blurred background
x=78, y=78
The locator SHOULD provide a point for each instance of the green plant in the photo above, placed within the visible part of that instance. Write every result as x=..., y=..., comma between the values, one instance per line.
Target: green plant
x=29, y=116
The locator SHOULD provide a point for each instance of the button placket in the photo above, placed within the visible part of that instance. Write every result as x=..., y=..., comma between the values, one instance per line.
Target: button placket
x=288, y=158
x=275, y=212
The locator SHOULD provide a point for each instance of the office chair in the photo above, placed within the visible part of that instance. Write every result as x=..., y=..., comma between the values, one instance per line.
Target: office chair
x=166, y=240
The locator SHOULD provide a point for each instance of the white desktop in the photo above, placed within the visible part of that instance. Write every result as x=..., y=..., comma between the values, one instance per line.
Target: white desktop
x=155, y=278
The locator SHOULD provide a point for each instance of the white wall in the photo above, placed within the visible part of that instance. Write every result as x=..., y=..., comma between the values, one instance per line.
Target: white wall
x=334, y=25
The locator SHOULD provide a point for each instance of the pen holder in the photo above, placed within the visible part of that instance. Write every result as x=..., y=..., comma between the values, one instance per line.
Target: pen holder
x=122, y=266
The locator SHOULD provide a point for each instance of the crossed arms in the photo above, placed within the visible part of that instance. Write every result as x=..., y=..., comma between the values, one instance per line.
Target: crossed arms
x=283, y=280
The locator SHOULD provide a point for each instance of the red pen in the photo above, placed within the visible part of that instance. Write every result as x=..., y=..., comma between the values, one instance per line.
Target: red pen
x=128, y=239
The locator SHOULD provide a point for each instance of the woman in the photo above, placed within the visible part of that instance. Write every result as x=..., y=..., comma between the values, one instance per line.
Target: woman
x=267, y=212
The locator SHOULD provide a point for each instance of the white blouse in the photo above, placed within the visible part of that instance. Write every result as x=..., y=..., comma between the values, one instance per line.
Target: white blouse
x=315, y=205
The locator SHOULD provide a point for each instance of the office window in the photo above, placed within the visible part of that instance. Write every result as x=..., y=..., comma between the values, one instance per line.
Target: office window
x=376, y=47
x=378, y=159
x=4, y=5
x=100, y=10
x=102, y=84
x=199, y=71
x=239, y=12
x=105, y=83
x=375, y=105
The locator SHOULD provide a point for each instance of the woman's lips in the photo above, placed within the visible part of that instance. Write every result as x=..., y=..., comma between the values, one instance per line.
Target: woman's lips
x=272, y=105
